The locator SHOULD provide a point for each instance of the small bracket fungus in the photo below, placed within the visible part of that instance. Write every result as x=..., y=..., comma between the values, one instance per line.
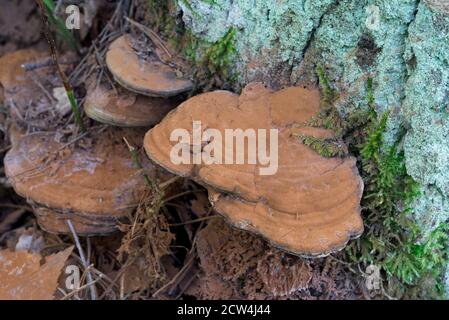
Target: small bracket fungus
x=14, y=82
x=149, y=77
x=94, y=187
x=28, y=94
x=270, y=184
x=126, y=109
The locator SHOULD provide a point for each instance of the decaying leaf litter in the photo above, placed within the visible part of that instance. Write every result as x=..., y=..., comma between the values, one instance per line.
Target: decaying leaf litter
x=170, y=243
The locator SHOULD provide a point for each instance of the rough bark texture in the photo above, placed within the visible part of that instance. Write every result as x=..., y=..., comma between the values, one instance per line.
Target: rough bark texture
x=402, y=44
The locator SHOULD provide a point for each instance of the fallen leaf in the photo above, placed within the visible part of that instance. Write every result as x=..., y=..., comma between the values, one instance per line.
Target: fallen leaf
x=24, y=278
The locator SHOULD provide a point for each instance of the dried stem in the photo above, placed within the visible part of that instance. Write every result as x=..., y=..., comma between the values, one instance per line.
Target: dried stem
x=54, y=55
x=135, y=158
x=93, y=291
x=152, y=35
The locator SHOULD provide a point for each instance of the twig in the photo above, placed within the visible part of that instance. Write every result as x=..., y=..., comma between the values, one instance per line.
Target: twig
x=153, y=36
x=193, y=221
x=54, y=55
x=135, y=158
x=30, y=66
x=14, y=107
x=175, y=278
x=87, y=285
x=93, y=291
x=41, y=86
x=165, y=184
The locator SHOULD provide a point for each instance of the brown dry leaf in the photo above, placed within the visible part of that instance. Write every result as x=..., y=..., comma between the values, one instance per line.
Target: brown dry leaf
x=24, y=278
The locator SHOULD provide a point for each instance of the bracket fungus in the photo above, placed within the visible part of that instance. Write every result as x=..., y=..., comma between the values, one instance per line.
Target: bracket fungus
x=31, y=89
x=14, y=81
x=93, y=186
x=149, y=76
x=301, y=202
x=126, y=109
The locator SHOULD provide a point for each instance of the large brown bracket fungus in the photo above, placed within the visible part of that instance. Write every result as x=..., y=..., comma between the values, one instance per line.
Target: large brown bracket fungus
x=95, y=186
x=309, y=205
x=149, y=76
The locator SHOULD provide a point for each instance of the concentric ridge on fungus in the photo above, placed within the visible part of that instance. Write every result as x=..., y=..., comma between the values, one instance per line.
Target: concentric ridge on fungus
x=148, y=77
x=310, y=206
x=126, y=109
x=94, y=187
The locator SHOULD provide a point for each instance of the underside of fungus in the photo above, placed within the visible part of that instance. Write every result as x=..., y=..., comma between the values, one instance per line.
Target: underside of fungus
x=93, y=186
x=120, y=107
x=309, y=205
x=148, y=76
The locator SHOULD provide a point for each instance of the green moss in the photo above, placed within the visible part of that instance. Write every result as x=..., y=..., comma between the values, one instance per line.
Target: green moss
x=209, y=61
x=392, y=239
x=212, y=60
x=218, y=56
x=412, y=265
x=325, y=147
x=329, y=94
x=414, y=259
x=161, y=17
x=328, y=118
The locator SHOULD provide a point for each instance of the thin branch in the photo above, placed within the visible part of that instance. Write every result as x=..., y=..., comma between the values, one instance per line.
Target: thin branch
x=93, y=290
x=152, y=35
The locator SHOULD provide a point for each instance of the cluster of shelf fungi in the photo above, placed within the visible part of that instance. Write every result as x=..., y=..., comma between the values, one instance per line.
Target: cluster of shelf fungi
x=310, y=207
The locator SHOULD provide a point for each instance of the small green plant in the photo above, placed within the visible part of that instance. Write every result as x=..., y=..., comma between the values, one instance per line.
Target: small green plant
x=54, y=54
x=59, y=25
x=328, y=118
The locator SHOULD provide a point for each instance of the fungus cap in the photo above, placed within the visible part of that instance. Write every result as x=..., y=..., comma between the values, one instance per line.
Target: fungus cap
x=147, y=77
x=309, y=206
x=126, y=109
x=94, y=186
x=11, y=72
x=14, y=81
x=27, y=94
